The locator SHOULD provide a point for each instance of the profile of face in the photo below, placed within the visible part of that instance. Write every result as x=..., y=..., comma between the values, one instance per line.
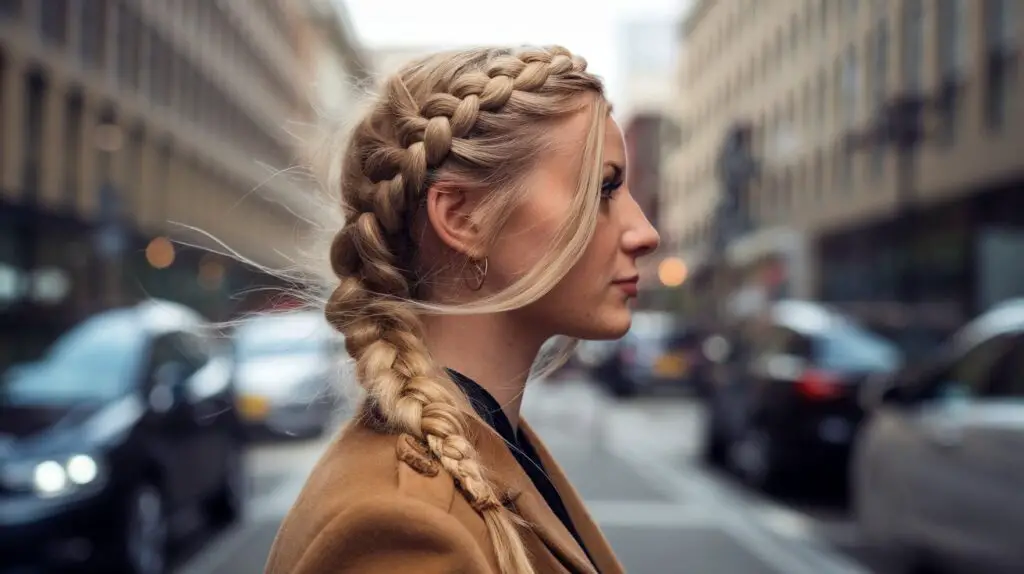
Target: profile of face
x=592, y=301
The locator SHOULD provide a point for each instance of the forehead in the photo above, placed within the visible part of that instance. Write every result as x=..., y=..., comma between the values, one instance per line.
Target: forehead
x=570, y=136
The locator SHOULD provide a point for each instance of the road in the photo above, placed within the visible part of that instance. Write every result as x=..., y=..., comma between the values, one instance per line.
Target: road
x=635, y=465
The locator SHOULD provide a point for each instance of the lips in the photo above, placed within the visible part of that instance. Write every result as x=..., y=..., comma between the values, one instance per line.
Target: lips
x=628, y=285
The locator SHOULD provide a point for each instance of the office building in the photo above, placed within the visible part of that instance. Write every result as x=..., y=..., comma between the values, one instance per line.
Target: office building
x=123, y=124
x=838, y=208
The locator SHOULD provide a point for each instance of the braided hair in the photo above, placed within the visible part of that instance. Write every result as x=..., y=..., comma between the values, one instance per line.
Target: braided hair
x=478, y=115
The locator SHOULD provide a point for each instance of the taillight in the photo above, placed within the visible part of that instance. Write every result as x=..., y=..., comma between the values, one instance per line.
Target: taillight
x=819, y=385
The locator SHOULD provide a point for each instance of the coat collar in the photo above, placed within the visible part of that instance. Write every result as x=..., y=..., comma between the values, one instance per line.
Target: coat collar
x=519, y=494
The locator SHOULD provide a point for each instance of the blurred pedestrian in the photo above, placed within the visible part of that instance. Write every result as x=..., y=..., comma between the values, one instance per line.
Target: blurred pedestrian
x=486, y=211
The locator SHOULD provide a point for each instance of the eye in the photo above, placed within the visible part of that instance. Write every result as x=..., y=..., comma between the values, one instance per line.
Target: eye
x=611, y=183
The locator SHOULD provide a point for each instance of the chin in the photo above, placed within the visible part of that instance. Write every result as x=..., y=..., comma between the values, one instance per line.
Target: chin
x=608, y=325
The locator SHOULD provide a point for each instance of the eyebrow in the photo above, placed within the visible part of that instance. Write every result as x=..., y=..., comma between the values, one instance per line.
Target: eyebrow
x=617, y=169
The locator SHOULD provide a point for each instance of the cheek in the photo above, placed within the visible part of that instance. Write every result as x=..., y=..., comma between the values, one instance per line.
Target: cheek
x=594, y=270
x=527, y=236
x=520, y=250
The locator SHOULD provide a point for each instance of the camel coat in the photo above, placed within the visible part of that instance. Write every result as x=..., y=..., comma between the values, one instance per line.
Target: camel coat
x=376, y=503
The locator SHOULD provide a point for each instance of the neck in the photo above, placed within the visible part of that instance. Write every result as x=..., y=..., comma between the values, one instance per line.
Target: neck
x=488, y=349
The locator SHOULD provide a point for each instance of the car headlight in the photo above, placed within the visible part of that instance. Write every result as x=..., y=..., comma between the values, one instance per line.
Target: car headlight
x=65, y=475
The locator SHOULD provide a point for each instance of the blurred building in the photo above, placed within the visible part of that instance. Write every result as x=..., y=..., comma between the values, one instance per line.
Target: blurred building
x=647, y=57
x=122, y=120
x=887, y=136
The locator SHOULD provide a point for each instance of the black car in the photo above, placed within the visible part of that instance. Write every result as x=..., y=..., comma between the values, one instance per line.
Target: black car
x=788, y=405
x=127, y=420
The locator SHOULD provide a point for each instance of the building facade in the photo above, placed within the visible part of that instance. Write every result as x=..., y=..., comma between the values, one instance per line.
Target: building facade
x=126, y=125
x=835, y=191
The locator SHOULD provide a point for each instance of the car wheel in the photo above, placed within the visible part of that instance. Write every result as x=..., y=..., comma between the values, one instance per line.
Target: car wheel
x=146, y=532
x=228, y=503
x=755, y=458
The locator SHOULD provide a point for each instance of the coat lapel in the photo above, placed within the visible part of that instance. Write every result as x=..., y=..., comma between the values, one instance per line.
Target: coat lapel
x=598, y=546
x=523, y=497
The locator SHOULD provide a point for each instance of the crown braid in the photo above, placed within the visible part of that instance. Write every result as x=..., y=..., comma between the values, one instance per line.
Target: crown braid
x=389, y=164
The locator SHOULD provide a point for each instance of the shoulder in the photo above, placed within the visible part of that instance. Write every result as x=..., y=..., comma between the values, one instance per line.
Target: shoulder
x=378, y=502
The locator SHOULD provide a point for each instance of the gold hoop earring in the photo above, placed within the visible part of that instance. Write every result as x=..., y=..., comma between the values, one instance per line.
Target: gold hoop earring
x=481, y=275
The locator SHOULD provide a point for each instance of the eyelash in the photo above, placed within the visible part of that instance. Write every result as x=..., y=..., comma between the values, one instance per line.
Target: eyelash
x=610, y=186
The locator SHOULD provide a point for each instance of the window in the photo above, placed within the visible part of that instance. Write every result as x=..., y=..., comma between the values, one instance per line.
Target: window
x=822, y=98
x=818, y=176
x=128, y=47
x=133, y=177
x=783, y=341
x=92, y=37
x=845, y=168
x=72, y=148
x=999, y=23
x=10, y=8
x=951, y=40
x=96, y=361
x=785, y=190
x=851, y=348
x=970, y=374
x=35, y=105
x=850, y=85
x=913, y=42
x=794, y=33
x=1008, y=376
x=161, y=179
x=104, y=160
x=951, y=46
x=879, y=87
x=809, y=18
x=171, y=352
x=824, y=6
x=1000, y=88
x=838, y=85
x=53, y=20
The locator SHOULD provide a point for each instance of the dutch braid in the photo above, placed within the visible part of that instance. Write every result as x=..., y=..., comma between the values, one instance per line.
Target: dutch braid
x=408, y=136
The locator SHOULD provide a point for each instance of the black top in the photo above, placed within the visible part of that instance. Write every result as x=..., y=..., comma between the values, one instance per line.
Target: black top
x=490, y=411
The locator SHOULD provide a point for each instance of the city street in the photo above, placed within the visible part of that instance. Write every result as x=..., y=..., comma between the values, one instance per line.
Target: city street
x=635, y=464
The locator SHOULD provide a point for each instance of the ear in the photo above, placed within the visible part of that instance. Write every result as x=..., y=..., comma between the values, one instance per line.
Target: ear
x=449, y=211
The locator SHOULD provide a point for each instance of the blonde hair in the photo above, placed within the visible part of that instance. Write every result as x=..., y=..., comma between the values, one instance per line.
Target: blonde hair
x=478, y=118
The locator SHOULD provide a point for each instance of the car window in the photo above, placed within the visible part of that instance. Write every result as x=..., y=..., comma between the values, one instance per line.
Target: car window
x=1007, y=380
x=970, y=374
x=171, y=349
x=855, y=349
x=785, y=341
x=95, y=361
x=284, y=334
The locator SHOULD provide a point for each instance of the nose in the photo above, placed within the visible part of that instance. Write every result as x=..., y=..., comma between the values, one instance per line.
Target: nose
x=640, y=237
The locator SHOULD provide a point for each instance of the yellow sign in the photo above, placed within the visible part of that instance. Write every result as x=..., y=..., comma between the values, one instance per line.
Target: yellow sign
x=671, y=365
x=253, y=407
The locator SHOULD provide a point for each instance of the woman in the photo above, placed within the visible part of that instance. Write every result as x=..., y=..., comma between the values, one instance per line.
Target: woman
x=486, y=211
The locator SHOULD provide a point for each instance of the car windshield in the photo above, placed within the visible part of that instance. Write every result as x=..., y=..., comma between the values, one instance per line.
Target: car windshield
x=95, y=361
x=287, y=335
x=856, y=349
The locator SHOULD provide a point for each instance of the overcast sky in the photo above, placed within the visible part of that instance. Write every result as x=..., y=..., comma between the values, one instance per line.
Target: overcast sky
x=589, y=28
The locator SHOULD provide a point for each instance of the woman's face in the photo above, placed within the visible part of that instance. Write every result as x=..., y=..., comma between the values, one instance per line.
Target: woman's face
x=592, y=300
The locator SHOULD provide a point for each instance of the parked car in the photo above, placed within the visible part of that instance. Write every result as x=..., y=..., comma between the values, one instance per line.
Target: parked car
x=125, y=423
x=938, y=469
x=592, y=354
x=288, y=369
x=788, y=404
x=658, y=352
